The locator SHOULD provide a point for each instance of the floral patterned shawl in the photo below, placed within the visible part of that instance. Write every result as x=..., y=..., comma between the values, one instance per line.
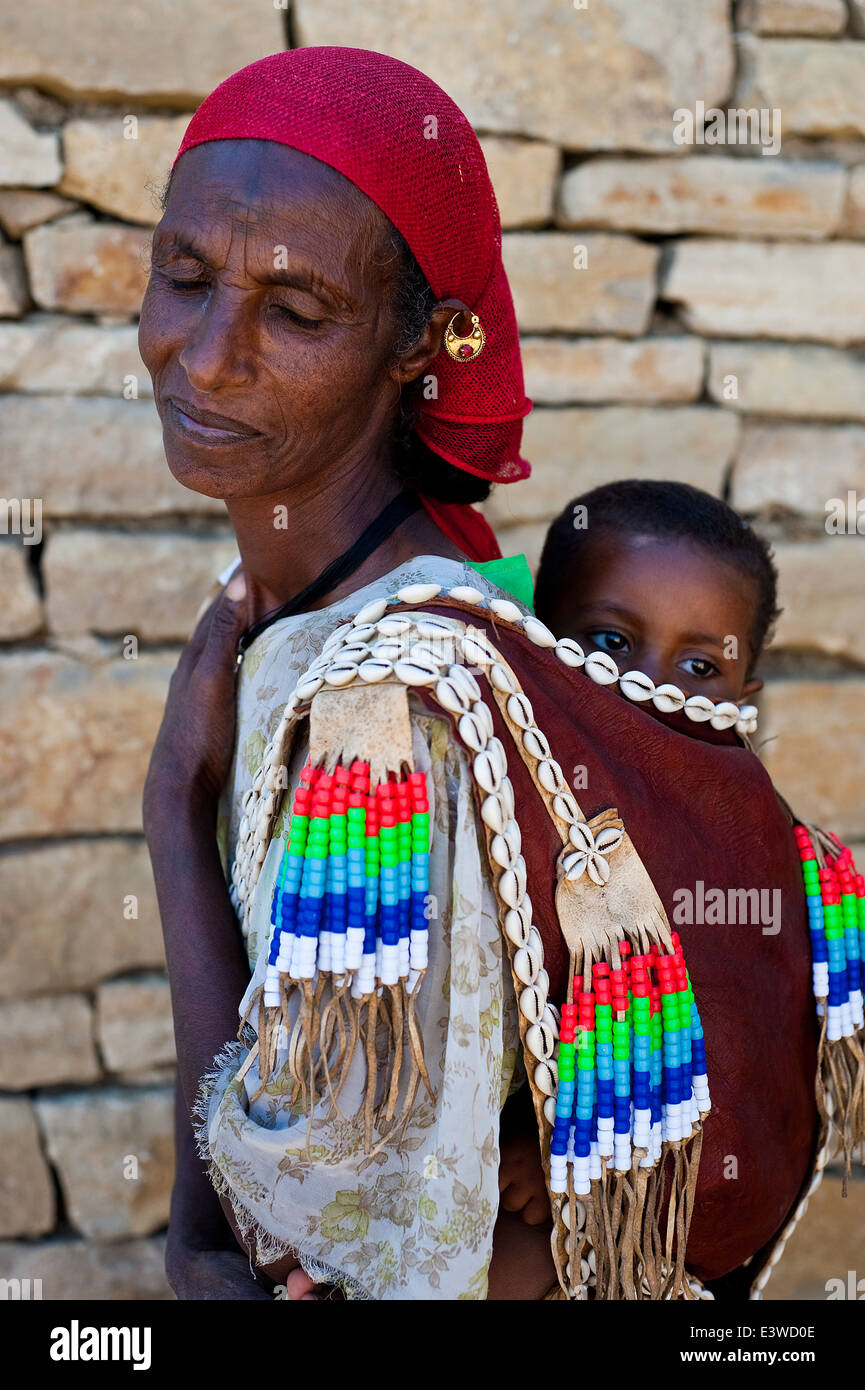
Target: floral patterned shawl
x=413, y=1224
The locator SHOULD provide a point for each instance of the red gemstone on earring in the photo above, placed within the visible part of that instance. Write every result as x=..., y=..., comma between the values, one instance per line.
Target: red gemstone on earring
x=466, y=350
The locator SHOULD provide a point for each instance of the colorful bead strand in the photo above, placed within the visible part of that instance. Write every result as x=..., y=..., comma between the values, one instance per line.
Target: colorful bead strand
x=631, y=1067
x=834, y=895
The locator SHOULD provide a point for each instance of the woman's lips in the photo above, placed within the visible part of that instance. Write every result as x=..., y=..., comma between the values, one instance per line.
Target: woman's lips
x=203, y=427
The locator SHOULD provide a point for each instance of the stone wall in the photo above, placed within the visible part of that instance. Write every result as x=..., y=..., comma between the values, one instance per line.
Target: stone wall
x=714, y=333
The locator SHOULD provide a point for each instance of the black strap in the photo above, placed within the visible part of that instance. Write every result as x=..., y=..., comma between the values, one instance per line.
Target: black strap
x=391, y=516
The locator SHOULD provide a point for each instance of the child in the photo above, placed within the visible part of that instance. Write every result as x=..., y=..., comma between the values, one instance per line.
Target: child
x=667, y=579
x=672, y=582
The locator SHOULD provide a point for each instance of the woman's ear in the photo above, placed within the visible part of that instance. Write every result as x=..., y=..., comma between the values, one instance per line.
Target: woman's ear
x=428, y=346
x=752, y=686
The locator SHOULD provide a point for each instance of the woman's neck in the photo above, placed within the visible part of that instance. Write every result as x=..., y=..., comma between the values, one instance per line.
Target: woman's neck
x=287, y=539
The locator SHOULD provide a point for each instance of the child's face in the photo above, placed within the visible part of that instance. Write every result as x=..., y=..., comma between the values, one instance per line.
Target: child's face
x=668, y=608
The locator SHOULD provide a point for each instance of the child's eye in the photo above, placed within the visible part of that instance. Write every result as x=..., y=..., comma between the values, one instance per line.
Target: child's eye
x=701, y=667
x=610, y=641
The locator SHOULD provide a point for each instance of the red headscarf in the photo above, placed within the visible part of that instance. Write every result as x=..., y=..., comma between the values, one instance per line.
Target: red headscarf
x=400, y=139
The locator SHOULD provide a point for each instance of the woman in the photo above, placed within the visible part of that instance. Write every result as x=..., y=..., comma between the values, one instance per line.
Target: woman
x=329, y=218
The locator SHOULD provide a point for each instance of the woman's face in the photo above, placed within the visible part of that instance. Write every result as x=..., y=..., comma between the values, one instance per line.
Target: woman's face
x=266, y=325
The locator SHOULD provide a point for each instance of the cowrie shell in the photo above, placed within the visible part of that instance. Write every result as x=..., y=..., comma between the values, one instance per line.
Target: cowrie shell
x=599, y=869
x=579, y=1212
x=523, y=916
x=748, y=712
x=388, y=649
x=574, y=865
x=581, y=836
x=547, y=1077
x=360, y=632
x=725, y=716
x=506, y=796
x=503, y=608
x=570, y=652
x=535, y=744
x=551, y=1019
x=338, y=635
x=511, y=832
x=520, y=711
x=487, y=772
x=549, y=774
x=393, y=625
x=416, y=672
x=243, y=829
x=452, y=699
x=502, y=852
x=535, y=943
x=509, y=887
x=352, y=655
x=496, y=749
x=602, y=668
x=307, y=687
x=565, y=807
x=482, y=714
x=247, y=797
x=699, y=708
x=464, y=681
x=501, y=678
x=538, y=632
x=371, y=612
x=374, y=670
x=531, y=1004
x=539, y=1041
x=418, y=593
x=526, y=965
x=492, y=814
x=608, y=839
x=422, y=651
x=668, y=698
x=464, y=593
x=431, y=625
x=550, y=1110
x=636, y=686
x=474, y=652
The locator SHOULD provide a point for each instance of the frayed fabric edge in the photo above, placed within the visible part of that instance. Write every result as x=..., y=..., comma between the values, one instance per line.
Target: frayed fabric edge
x=263, y=1246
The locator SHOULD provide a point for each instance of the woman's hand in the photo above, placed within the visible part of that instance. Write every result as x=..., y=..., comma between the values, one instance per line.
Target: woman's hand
x=192, y=754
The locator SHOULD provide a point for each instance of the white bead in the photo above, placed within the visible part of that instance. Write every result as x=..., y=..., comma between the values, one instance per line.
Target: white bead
x=668, y=698
x=340, y=675
x=415, y=672
x=601, y=667
x=725, y=716
x=501, y=678
x=538, y=632
x=374, y=670
x=464, y=593
x=503, y=608
x=371, y=612
x=570, y=652
x=634, y=685
x=699, y=708
x=418, y=593
x=309, y=686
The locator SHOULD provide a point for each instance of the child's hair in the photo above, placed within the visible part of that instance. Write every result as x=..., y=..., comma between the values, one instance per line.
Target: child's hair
x=663, y=509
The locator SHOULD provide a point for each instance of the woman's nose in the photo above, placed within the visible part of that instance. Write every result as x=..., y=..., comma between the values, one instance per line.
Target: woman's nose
x=217, y=351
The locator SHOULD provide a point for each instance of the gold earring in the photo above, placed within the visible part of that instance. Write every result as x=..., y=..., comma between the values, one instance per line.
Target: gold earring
x=464, y=349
